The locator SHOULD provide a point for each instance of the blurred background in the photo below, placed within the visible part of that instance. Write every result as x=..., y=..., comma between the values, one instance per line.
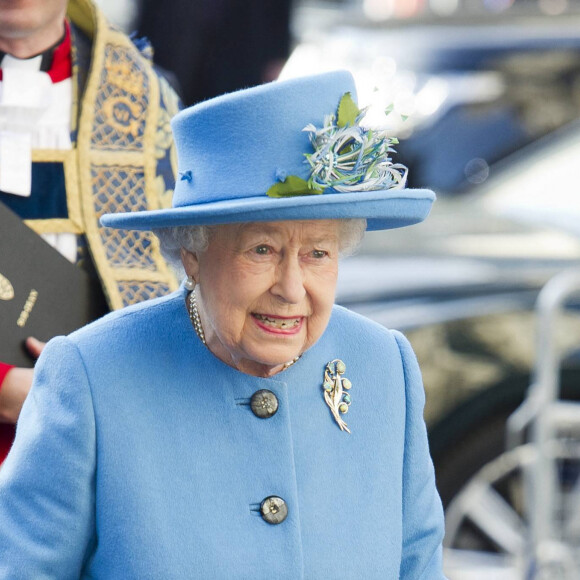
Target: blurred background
x=486, y=105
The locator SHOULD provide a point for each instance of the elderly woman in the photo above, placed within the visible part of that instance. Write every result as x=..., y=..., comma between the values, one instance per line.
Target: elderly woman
x=244, y=426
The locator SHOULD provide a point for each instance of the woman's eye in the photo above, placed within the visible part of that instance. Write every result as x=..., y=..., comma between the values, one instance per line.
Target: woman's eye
x=262, y=250
x=319, y=254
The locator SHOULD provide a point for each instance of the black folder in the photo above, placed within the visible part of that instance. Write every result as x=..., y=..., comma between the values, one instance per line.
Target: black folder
x=42, y=294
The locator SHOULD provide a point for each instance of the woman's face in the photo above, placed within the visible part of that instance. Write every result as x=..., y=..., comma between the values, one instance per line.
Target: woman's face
x=265, y=290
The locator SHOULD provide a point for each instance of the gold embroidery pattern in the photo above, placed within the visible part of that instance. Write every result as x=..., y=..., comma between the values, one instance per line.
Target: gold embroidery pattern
x=120, y=162
x=121, y=189
x=137, y=291
x=74, y=223
x=120, y=104
x=164, y=136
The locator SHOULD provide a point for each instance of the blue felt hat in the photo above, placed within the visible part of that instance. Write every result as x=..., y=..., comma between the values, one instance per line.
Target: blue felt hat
x=243, y=156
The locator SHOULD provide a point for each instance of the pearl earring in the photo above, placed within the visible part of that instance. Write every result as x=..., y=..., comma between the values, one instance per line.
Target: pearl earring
x=189, y=283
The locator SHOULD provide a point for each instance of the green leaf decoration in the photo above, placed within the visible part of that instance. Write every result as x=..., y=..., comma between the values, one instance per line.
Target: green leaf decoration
x=389, y=109
x=292, y=186
x=347, y=111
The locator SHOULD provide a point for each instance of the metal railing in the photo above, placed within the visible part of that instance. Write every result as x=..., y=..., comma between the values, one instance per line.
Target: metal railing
x=540, y=538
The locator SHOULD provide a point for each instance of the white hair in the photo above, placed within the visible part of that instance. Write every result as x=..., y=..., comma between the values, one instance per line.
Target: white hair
x=195, y=239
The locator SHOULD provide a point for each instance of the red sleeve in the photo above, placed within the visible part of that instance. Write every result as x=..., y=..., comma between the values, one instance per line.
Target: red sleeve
x=4, y=368
x=6, y=431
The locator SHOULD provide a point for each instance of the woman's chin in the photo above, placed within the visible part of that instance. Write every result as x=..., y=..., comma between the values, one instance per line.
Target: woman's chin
x=269, y=363
x=274, y=348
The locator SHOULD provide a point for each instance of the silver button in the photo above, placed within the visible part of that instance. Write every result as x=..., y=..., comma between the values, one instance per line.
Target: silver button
x=274, y=510
x=264, y=404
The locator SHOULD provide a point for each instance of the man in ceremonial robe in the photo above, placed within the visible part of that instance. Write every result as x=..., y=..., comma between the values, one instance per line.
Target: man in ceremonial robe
x=84, y=130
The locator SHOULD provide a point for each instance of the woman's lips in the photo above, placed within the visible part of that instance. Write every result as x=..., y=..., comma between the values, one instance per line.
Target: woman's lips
x=279, y=324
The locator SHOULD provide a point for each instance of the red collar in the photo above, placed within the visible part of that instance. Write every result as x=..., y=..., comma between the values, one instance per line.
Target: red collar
x=61, y=67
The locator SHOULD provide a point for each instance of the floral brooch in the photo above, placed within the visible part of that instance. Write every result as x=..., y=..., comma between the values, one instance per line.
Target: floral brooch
x=347, y=157
x=335, y=391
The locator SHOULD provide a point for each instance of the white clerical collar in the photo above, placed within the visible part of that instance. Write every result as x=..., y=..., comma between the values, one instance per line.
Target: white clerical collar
x=34, y=113
x=32, y=64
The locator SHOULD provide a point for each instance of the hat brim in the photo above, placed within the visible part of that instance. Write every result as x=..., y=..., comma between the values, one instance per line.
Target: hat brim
x=393, y=208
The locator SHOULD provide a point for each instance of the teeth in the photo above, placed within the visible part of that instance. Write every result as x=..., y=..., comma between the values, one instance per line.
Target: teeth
x=278, y=323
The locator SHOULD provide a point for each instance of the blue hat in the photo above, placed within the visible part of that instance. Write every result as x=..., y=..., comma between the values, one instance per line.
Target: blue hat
x=286, y=150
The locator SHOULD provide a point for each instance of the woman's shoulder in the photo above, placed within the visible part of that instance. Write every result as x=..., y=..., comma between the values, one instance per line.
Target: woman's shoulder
x=133, y=321
x=350, y=328
x=356, y=329
x=345, y=320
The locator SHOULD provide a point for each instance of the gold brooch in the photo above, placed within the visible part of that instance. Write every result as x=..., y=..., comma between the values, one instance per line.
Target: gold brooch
x=335, y=387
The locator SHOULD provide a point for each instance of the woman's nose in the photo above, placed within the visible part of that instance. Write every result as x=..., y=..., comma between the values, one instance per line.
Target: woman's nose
x=289, y=283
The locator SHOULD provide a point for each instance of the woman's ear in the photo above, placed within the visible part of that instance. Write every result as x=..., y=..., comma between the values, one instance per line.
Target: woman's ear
x=190, y=264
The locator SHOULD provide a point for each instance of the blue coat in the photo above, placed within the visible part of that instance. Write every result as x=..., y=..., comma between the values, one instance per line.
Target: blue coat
x=137, y=456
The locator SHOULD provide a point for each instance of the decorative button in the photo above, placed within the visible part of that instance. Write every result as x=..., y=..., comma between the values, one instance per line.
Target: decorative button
x=264, y=404
x=274, y=510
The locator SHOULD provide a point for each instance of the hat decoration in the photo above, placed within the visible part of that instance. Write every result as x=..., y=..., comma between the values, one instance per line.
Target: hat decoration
x=347, y=157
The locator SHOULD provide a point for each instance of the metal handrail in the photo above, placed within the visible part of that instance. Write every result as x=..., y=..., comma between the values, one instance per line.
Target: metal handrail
x=546, y=416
